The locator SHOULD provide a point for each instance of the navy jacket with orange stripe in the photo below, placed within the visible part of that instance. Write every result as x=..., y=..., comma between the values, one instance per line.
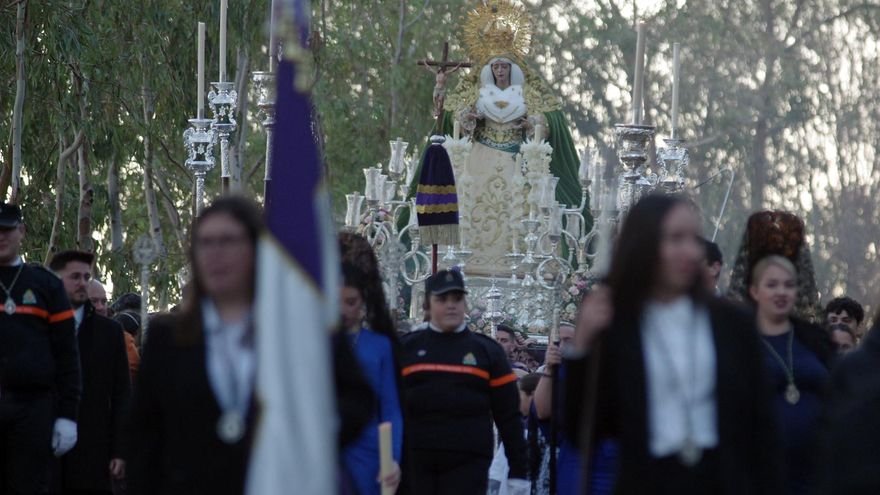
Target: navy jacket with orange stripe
x=456, y=384
x=38, y=348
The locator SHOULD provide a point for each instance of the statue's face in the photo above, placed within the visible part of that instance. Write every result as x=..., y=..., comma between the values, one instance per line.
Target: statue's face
x=501, y=71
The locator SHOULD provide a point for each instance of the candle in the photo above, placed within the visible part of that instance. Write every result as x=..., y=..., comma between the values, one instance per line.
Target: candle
x=456, y=129
x=586, y=163
x=413, y=214
x=676, y=67
x=539, y=132
x=371, y=190
x=223, y=5
x=273, y=44
x=386, y=461
x=639, y=81
x=411, y=166
x=201, y=69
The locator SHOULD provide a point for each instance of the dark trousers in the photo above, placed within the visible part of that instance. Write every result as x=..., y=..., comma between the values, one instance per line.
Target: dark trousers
x=437, y=472
x=25, y=443
x=670, y=477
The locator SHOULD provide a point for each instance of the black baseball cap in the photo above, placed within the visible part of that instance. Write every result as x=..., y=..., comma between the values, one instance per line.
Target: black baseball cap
x=10, y=216
x=443, y=282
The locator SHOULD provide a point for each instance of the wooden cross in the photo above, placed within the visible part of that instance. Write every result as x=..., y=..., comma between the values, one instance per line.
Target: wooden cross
x=441, y=72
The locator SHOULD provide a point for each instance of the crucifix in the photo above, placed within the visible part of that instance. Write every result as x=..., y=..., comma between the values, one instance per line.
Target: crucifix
x=441, y=72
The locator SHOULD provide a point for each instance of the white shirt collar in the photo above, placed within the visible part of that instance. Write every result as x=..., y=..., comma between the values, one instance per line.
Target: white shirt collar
x=457, y=330
x=18, y=261
x=78, y=315
x=214, y=323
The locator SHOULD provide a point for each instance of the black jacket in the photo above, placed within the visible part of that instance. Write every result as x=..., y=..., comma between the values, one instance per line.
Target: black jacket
x=38, y=351
x=175, y=449
x=851, y=434
x=103, y=412
x=748, y=449
x=456, y=384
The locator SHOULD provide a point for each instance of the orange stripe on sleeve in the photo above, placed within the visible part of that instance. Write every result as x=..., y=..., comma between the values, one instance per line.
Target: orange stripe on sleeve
x=31, y=310
x=502, y=380
x=61, y=316
x=446, y=368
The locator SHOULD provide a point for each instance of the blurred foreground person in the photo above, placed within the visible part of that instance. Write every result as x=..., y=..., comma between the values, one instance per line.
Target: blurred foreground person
x=851, y=433
x=370, y=332
x=39, y=366
x=457, y=382
x=797, y=356
x=673, y=374
x=193, y=410
x=97, y=459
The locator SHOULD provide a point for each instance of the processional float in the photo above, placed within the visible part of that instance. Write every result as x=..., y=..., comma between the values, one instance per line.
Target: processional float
x=548, y=244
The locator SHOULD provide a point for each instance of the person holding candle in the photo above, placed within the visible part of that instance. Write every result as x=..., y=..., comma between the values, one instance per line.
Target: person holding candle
x=373, y=338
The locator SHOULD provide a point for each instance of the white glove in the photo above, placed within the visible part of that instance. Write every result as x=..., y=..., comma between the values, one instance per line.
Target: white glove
x=63, y=436
x=518, y=487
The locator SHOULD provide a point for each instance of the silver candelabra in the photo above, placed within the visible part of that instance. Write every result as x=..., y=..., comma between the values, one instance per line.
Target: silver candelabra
x=265, y=83
x=223, y=99
x=199, y=140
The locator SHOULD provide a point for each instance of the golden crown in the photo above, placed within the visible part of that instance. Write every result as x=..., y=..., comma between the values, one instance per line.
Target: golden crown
x=497, y=28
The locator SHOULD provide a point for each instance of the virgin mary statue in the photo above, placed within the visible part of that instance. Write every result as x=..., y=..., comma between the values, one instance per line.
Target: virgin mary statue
x=500, y=106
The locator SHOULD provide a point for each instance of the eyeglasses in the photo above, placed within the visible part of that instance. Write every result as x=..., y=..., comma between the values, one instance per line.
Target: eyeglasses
x=220, y=242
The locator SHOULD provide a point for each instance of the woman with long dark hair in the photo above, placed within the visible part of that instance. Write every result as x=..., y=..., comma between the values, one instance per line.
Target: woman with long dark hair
x=672, y=374
x=193, y=409
x=370, y=332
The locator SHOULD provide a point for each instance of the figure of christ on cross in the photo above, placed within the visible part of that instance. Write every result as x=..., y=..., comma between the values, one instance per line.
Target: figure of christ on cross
x=441, y=72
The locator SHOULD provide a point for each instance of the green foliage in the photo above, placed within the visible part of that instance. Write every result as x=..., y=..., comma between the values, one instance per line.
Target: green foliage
x=116, y=48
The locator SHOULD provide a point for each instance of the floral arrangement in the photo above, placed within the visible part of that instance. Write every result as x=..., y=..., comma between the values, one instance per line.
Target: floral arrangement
x=578, y=285
x=479, y=321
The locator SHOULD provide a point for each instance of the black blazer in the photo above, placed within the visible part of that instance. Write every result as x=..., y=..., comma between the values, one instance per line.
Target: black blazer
x=748, y=447
x=174, y=444
x=851, y=430
x=103, y=410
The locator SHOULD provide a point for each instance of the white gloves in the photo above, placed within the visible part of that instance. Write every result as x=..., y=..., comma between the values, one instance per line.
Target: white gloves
x=63, y=436
x=518, y=487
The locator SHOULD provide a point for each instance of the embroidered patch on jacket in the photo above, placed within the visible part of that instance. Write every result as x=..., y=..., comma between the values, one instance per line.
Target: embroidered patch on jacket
x=29, y=297
x=469, y=359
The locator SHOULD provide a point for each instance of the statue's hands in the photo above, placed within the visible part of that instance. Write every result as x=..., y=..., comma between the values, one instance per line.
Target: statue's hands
x=526, y=124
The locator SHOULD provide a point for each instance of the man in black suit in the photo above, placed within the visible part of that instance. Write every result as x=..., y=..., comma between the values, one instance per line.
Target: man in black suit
x=97, y=458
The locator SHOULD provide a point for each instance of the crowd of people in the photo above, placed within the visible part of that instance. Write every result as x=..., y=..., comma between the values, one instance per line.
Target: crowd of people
x=662, y=385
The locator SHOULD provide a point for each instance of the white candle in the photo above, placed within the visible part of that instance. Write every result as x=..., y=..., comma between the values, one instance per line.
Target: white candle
x=386, y=460
x=639, y=80
x=676, y=68
x=584, y=169
x=223, y=5
x=456, y=129
x=539, y=132
x=201, y=69
x=273, y=44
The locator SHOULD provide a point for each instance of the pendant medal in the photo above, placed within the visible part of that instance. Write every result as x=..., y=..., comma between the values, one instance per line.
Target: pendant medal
x=792, y=394
x=690, y=454
x=9, y=307
x=230, y=427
